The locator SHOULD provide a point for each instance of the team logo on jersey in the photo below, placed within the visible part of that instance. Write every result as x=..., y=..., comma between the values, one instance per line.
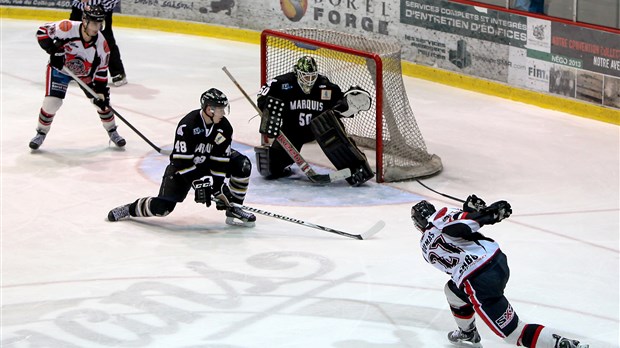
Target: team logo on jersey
x=65, y=26
x=326, y=94
x=286, y=86
x=197, y=131
x=78, y=66
x=180, y=129
x=219, y=138
x=506, y=318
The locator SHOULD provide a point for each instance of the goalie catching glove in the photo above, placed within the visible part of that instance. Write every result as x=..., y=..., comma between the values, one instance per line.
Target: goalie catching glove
x=203, y=188
x=356, y=99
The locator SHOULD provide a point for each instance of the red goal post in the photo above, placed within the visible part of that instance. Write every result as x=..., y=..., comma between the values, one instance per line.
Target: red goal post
x=389, y=127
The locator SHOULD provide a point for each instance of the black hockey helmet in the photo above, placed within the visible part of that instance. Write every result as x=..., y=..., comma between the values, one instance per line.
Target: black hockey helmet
x=307, y=72
x=214, y=97
x=93, y=13
x=420, y=214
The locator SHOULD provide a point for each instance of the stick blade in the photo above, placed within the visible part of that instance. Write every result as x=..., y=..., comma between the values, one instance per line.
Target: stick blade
x=331, y=177
x=373, y=230
x=340, y=174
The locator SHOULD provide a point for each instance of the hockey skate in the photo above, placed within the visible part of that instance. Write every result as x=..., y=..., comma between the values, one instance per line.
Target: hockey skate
x=238, y=217
x=119, y=80
x=562, y=342
x=36, y=142
x=119, y=213
x=116, y=138
x=461, y=338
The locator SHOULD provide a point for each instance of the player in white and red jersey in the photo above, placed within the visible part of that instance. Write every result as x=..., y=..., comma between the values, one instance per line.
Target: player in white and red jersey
x=80, y=47
x=479, y=273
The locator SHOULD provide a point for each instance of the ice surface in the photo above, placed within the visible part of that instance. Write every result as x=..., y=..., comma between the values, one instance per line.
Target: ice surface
x=72, y=279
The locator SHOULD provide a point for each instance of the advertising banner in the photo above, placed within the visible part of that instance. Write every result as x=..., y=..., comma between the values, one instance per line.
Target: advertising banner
x=468, y=40
x=466, y=21
x=62, y=4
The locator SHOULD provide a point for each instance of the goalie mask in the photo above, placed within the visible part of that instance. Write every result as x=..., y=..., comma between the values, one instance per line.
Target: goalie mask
x=307, y=73
x=215, y=99
x=420, y=214
x=93, y=13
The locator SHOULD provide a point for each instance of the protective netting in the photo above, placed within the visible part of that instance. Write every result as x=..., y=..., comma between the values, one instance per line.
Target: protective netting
x=374, y=65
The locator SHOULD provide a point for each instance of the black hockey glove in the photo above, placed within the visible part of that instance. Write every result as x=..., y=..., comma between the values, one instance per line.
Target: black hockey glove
x=473, y=204
x=500, y=210
x=57, y=58
x=224, y=197
x=103, y=102
x=202, y=190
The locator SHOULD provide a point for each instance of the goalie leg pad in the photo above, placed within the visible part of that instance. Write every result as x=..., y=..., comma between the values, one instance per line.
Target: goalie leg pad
x=271, y=120
x=262, y=160
x=339, y=148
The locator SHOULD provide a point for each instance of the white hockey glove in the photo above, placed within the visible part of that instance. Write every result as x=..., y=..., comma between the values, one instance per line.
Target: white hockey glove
x=357, y=99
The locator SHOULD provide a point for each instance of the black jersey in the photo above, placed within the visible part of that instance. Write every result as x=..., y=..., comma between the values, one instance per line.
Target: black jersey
x=301, y=107
x=202, y=149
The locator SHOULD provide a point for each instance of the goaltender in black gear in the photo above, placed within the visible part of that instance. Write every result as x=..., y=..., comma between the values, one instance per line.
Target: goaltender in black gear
x=306, y=106
x=202, y=158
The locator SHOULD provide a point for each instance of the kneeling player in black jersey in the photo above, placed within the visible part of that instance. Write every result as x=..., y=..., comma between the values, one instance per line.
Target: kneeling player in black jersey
x=306, y=106
x=202, y=158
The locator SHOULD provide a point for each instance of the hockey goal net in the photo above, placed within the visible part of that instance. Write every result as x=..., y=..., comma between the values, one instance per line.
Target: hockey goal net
x=389, y=127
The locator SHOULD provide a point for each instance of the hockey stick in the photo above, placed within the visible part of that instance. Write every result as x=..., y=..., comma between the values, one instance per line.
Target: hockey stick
x=292, y=151
x=94, y=94
x=362, y=236
x=441, y=194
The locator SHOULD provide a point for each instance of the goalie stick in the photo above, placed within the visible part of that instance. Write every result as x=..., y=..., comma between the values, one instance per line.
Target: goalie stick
x=292, y=151
x=94, y=94
x=441, y=194
x=362, y=236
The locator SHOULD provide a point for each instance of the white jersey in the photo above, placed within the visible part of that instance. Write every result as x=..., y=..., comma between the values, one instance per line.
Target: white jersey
x=86, y=60
x=455, y=256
